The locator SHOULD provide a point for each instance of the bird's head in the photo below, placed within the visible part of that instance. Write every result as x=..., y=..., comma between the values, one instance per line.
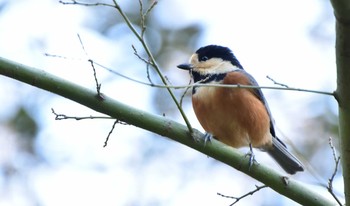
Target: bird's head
x=211, y=60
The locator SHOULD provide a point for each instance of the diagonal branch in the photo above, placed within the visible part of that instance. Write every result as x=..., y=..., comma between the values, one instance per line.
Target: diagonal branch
x=165, y=127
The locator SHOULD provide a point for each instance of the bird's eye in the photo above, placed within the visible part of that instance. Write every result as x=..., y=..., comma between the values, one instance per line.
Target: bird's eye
x=204, y=58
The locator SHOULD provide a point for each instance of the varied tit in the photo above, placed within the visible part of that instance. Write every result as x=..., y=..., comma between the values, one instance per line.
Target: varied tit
x=235, y=116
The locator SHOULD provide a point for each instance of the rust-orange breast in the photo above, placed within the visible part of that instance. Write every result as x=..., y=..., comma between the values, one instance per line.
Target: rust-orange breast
x=235, y=116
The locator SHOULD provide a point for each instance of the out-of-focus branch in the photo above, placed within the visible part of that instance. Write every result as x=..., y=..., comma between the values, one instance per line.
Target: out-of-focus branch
x=165, y=127
x=342, y=16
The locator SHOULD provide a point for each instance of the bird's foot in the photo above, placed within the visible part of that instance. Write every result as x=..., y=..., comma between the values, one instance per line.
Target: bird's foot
x=251, y=156
x=207, y=137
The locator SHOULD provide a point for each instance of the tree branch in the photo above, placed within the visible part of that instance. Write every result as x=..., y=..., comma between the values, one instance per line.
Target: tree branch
x=330, y=180
x=243, y=196
x=342, y=15
x=66, y=117
x=162, y=126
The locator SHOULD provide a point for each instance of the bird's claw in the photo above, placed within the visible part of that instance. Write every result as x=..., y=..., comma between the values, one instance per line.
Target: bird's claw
x=251, y=156
x=207, y=137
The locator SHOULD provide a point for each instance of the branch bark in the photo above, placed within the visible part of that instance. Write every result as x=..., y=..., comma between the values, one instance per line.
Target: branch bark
x=165, y=127
x=342, y=15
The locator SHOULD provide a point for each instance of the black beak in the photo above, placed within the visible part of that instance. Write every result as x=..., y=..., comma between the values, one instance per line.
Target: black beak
x=185, y=66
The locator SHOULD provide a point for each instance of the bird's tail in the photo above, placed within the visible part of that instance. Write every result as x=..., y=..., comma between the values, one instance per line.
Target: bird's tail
x=283, y=157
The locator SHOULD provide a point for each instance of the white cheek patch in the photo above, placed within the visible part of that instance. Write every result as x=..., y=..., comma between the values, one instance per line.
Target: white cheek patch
x=214, y=66
x=194, y=59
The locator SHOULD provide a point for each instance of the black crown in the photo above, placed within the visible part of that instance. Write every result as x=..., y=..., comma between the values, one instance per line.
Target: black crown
x=215, y=51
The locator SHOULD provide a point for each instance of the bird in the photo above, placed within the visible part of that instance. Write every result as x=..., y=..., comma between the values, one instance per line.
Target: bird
x=238, y=117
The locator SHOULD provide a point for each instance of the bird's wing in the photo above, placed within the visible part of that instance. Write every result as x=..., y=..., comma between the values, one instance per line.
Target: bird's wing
x=259, y=94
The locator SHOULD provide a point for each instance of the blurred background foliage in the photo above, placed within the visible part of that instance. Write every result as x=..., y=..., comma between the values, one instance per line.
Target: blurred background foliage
x=21, y=153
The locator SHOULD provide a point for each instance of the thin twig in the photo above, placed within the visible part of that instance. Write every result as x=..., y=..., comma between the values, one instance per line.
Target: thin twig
x=330, y=180
x=74, y=2
x=143, y=25
x=110, y=132
x=140, y=57
x=148, y=63
x=149, y=75
x=98, y=85
x=243, y=196
x=63, y=116
x=185, y=92
x=277, y=83
x=154, y=3
x=61, y=57
x=214, y=85
x=81, y=44
x=144, y=15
